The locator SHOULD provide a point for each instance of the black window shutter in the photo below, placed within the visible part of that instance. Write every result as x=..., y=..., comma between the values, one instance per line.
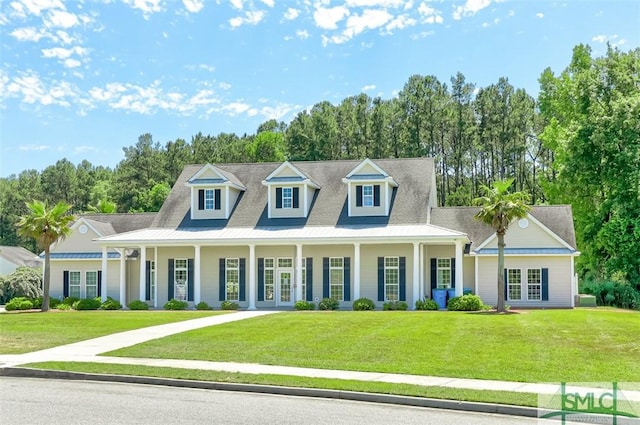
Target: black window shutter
x=506, y=285
x=190, y=279
x=434, y=275
x=545, y=285
x=222, y=293
x=358, y=195
x=309, y=279
x=217, y=199
x=325, y=277
x=99, y=283
x=453, y=272
x=147, y=280
x=242, y=279
x=376, y=195
x=278, y=197
x=296, y=195
x=402, y=271
x=201, y=199
x=170, y=281
x=65, y=283
x=260, y=279
x=347, y=279
x=380, y=278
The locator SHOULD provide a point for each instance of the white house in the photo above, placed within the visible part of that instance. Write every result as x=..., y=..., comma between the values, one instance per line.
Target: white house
x=12, y=257
x=268, y=234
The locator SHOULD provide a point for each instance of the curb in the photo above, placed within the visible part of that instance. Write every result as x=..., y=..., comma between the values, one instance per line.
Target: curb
x=467, y=406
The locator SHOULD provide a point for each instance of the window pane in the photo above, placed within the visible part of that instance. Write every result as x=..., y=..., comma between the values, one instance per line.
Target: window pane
x=285, y=262
x=287, y=197
x=91, y=282
x=514, y=285
x=534, y=284
x=367, y=196
x=208, y=199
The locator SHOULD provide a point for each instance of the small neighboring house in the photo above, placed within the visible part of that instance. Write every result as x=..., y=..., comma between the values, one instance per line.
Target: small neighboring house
x=268, y=234
x=12, y=257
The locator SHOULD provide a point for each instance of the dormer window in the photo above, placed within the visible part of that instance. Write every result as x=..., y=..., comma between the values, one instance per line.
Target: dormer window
x=368, y=195
x=370, y=190
x=290, y=192
x=213, y=193
x=209, y=199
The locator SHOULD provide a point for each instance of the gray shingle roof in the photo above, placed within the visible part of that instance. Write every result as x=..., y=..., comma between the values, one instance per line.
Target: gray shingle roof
x=329, y=206
x=109, y=224
x=19, y=256
x=558, y=218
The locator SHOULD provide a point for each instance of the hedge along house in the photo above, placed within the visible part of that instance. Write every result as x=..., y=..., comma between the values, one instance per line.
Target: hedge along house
x=268, y=234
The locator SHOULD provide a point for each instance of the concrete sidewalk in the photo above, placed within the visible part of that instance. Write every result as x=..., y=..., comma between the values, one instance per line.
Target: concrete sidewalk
x=88, y=351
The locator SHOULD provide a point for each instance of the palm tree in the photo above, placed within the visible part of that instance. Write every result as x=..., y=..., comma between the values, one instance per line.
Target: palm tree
x=499, y=208
x=47, y=226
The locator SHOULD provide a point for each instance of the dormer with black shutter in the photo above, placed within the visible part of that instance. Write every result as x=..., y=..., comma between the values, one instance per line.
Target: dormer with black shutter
x=370, y=189
x=214, y=193
x=290, y=192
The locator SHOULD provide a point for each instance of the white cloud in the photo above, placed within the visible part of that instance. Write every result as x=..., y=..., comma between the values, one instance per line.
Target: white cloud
x=62, y=53
x=600, y=38
x=291, y=13
x=540, y=15
x=236, y=4
x=328, y=18
x=278, y=111
x=224, y=86
x=302, y=34
x=269, y=3
x=30, y=89
x=400, y=22
x=512, y=12
x=368, y=87
x=206, y=67
x=429, y=15
x=235, y=108
x=146, y=6
x=28, y=34
x=470, y=8
x=193, y=6
x=34, y=148
x=375, y=3
x=72, y=63
x=251, y=17
x=35, y=7
x=62, y=19
x=370, y=19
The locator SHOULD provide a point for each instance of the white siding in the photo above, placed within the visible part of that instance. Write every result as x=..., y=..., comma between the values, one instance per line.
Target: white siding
x=531, y=237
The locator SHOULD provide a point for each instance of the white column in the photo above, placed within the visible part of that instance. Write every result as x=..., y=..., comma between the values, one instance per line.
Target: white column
x=103, y=285
x=426, y=289
x=155, y=276
x=416, y=274
x=298, y=272
x=143, y=273
x=459, y=274
x=196, y=275
x=574, y=286
x=356, y=271
x=421, y=295
x=252, y=277
x=475, y=289
x=123, y=277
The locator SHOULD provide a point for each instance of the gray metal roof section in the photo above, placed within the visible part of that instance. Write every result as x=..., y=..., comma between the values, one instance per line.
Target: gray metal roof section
x=207, y=181
x=557, y=218
x=285, y=179
x=20, y=256
x=329, y=204
x=367, y=177
x=527, y=251
x=81, y=255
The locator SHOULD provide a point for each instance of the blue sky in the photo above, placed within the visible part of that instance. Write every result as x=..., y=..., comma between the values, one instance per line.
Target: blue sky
x=83, y=79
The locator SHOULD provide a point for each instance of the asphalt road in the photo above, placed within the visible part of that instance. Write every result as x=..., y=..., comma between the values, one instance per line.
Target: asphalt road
x=44, y=401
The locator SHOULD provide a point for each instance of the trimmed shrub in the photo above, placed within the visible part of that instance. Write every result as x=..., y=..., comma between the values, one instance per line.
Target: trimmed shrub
x=465, y=303
x=229, y=305
x=329, y=304
x=426, y=304
x=53, y=302
x=87, y=304
x=23, y=282
x=62, y=306
x=138, y=305
x=362, y=304
x=202, y=306
x=175, y=305
x=19, y=303
x=70, y=301
x=304, y=305
x=111, y=304
x=395, y=305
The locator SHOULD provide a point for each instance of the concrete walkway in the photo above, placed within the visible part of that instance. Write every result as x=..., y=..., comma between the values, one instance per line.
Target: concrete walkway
x=88, y=351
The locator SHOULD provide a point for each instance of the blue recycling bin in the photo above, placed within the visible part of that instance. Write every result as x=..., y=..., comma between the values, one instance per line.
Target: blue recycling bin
x=440, y=297
x=451, y=292
x=467, y=291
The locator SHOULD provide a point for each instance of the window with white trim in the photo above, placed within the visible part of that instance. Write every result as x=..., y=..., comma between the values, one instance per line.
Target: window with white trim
x=443, y=273
x=209, y=199
x=304, y=278
x=180, y=275
x=269, y=278
x=514, y=284
x=367, y=195
x=336, y=278
x=285, y=263
x=152, y=278
x=74, y=284
x=91, y=284
x=232, y=279
x=534, y=284
x=391, y=279
x=287, y=197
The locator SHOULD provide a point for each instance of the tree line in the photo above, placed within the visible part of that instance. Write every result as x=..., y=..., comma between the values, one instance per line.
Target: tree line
x=576, y=143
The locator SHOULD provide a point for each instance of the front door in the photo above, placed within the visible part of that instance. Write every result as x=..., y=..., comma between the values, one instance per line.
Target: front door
x=285, y=287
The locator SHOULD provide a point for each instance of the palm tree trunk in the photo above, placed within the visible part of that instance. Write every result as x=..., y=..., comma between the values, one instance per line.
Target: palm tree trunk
x=47, y=280
x=500, y=307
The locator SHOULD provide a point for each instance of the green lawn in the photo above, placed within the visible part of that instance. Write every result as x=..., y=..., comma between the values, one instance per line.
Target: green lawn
x=501, y=397
x=24, y=332
x=534, y=346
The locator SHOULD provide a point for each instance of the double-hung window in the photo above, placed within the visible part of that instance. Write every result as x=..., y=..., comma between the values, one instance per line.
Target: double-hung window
x=74, y=284
x=269, y=279
x=304, y=278
x=336, y=278
x=514, y=284
x=209, y=199
x=391, y=279
x=367, y=195
x=152, y=278
x=232, y=278
x=91, y=284
x=287, y=197
x=534, y=284
x=444, y=273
